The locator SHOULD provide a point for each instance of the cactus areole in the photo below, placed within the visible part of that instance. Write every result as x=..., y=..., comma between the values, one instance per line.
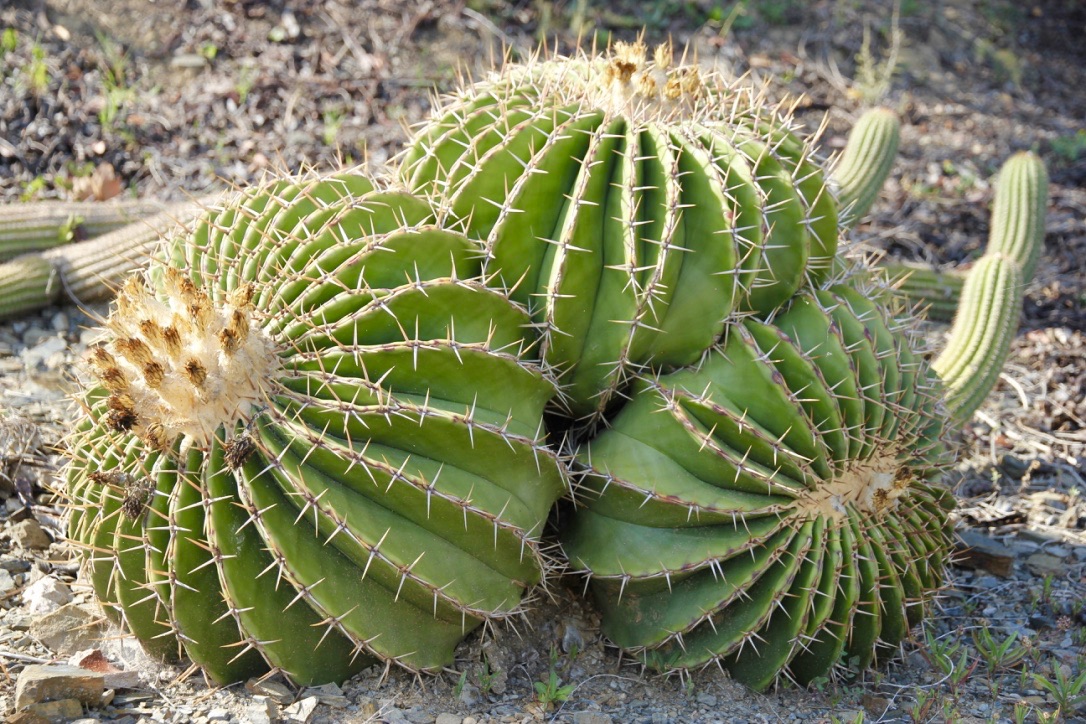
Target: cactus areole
x=315, y=441
x=632, y=205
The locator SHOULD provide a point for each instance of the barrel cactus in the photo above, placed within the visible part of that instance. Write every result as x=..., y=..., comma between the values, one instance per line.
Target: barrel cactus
x=632, y=205
x=315, y=440
x=775, y=509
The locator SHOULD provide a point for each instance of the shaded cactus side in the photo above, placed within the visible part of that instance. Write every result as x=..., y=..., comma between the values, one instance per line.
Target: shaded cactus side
x=316, y=441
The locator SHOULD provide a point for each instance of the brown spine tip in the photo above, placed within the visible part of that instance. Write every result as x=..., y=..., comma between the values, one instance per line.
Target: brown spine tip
x=196, y=372
x=134, y=350
x=154, y=374
x=171, y=341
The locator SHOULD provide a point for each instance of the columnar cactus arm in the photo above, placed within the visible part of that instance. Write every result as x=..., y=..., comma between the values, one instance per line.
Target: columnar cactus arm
x=1018, y=212
x=30, y=227
x=981, y=336
x=866, y=162
x=87, y=271
x=27, y=283
x=936, y=292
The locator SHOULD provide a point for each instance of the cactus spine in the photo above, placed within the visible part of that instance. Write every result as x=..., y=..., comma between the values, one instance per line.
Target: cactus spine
x=316, y=442
x=633, y=206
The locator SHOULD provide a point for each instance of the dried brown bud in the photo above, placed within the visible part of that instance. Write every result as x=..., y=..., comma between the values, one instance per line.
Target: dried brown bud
x=196, y=372
x=153, y=374
x=171, y=341
x=237, y=451
x=134, y=350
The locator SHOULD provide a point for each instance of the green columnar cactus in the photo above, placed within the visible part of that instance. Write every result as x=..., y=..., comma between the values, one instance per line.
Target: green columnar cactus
x=633, y=206
x=31, y=227
x=774, y=509
x=315, y=441
x=1017, y=232
x=87, y=271
x=981, y=335
x=1018, y=212
x=28, y=282
x=865, y=163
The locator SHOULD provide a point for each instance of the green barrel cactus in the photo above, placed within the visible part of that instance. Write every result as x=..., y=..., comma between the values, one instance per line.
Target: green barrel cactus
x=775, y=509
x=315, y=440
x=633, y=206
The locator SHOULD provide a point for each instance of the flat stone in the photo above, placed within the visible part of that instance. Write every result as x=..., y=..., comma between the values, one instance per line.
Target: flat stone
x=279, y=693
x=218, y=714
x=11, y=564
x=29, y=535
x=974, y=549
x=63, y=710
x=68, y=629
x=301, y=710
x=46, y=595
x=1042, y=564
x=447, y=718
x=591, y=717
x=7, y=583
x=53, y=682
x=329, y=694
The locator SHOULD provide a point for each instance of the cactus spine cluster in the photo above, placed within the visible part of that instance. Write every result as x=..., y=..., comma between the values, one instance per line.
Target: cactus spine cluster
x=633, y=206
x=314, y=441
x=317, y=436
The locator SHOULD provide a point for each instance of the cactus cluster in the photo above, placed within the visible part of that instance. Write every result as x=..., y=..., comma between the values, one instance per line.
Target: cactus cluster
x=330, y=420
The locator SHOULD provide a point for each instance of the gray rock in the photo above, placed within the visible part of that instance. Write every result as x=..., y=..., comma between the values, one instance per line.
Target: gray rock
x=38, y=683
x=61, y=710
x=218, y=714
x=469, y=695
x=28, y=535
x=41, y=351
x=591, y=717
x=7, y=583
x=329, y=694
x=301, y=710
x=46, y=594
x=415, y=715
x=12, y=564
x=447, y=718
x=1042, y=564
x=706, y=699
x=68, y=629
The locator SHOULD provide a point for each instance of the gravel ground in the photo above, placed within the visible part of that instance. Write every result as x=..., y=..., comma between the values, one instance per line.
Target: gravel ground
x=183, y=98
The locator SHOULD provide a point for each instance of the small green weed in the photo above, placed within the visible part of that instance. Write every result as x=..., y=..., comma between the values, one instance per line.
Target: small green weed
x=1066, y=691
x=1070, y=147
x=551, y=689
